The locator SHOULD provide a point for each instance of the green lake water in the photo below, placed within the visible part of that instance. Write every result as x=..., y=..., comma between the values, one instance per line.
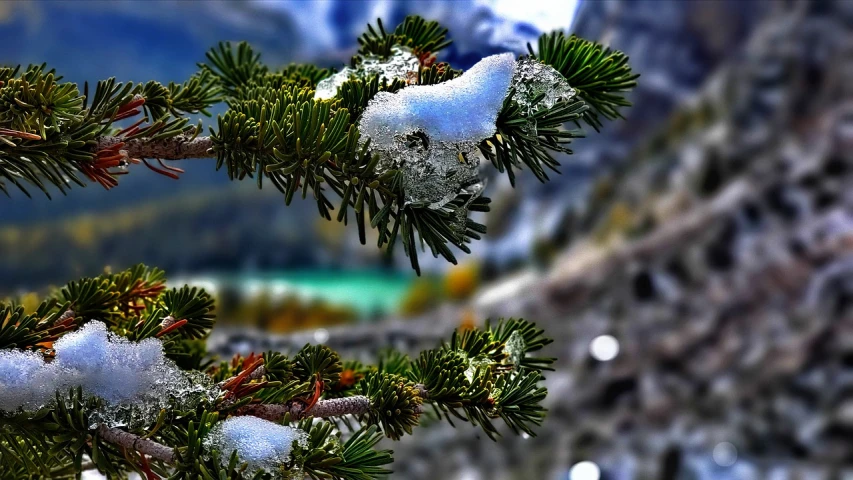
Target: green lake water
x=367, y=292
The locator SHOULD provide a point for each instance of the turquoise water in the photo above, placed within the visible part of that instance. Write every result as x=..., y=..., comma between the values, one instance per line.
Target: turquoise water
x=366, y=292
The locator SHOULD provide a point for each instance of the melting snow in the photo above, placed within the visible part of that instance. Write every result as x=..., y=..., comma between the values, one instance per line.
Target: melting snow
x=460, y=110
x=431, y=132
x=533, y=78
x=515, y=347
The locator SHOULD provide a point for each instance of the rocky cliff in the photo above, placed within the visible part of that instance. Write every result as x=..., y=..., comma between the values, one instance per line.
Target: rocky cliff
x=720, y=256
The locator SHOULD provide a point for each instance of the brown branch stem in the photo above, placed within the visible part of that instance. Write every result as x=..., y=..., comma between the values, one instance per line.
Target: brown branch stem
x=135, y=442
x=179, y=147
x=332, y=407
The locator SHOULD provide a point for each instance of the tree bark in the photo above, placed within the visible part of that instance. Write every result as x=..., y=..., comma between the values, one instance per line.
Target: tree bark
x=179, y=147
x=333, y=407
x=135, y=442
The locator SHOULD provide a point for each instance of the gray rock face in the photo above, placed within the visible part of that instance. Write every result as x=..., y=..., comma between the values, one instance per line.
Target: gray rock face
x=675, y=46
x=728, y=287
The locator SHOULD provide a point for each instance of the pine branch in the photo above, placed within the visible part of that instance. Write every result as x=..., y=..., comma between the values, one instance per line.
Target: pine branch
x=479, y=376
x=277, y=130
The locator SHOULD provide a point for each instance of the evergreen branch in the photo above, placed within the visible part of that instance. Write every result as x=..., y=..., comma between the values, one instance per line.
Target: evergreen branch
x=477, y=376
x=424, y=37
x=21, y=331
x=528, y=140
x=275, y=130
x=600, y=75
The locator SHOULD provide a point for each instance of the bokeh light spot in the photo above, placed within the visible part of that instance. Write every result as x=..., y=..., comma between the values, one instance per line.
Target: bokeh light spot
x=725, y=454
x=604, y=348
x=585, y=470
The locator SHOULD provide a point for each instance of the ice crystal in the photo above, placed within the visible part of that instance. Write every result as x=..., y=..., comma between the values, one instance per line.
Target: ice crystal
x=430, y=132
x=478, y=362
x=401, y=64
x=533, y=78
x=449, y=166
x=260, y=443
x=459, y=224
x=515, y=347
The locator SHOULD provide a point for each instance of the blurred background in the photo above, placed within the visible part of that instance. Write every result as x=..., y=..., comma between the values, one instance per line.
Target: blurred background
x=694, y=262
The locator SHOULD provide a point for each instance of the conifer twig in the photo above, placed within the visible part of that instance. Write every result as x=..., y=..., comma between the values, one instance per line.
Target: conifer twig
x=333, y=407
x=135, y=442
x=179, y=147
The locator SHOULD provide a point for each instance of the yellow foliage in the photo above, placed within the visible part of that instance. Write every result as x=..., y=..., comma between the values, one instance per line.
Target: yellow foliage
x=468, y=320
x=82, y=231
x=462, y=281
x=10, y=236
x=288, y=314
x=619, y=221
x=332, y=234
x=30, y=302
x=422, y=296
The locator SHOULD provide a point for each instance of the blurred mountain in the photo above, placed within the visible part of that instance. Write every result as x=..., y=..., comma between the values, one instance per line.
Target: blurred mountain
x=674, y=45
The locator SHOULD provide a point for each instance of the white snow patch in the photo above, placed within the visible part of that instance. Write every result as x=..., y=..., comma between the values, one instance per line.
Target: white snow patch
x=460, y=110
x=431, y=132
x=111, y=367
x=260, y=443
x=25, y=380
x=134, y=379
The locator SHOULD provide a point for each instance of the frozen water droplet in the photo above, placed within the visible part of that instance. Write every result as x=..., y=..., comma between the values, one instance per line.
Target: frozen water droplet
x=533, y=78
x=515, y=347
